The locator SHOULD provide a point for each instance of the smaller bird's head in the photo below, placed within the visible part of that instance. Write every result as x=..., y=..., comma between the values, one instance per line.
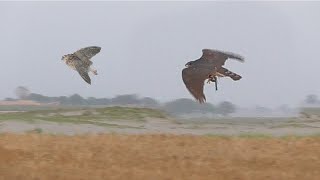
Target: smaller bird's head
x=64, y=57
x=189, y=63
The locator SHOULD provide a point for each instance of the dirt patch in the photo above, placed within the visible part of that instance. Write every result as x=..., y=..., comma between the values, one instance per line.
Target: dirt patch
x=50, y=127
x=19, y=103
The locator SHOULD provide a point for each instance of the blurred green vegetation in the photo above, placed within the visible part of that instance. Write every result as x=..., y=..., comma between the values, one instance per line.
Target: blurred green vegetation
x=310, y=111
x=98, y=116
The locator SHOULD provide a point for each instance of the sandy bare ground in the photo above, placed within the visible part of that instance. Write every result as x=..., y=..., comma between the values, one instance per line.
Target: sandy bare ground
x=234, y=126
x=114, y=156
x=20, y=102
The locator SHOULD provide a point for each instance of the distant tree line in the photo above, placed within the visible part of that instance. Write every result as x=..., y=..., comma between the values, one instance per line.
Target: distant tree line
x=76, y=99
x=175, y=107
x=312, y=99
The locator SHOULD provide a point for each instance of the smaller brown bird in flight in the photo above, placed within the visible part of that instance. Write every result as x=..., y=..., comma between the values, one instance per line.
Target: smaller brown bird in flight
x=81, y=61
x=208, y=66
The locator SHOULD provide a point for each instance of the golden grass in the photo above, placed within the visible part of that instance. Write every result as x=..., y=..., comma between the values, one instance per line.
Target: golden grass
x=113, y=156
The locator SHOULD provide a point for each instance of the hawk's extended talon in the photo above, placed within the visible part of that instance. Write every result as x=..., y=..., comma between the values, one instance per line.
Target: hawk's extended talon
x=216, y=83
x=214, y=79
x=211, y=79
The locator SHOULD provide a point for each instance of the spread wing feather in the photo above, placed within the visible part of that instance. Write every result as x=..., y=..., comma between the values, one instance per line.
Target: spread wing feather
x=87, y=53
x=234, y=56
x=193, y=78
x=219, y=57
x=83, y=73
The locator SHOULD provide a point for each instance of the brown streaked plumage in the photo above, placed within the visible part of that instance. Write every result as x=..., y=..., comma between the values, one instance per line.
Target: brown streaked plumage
x=81, y=61
x=208, y=66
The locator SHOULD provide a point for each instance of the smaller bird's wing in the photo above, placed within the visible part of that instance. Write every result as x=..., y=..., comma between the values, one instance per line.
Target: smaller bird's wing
x=194, y=77
x=219, y=57
x=83, y=73
x=87, y=53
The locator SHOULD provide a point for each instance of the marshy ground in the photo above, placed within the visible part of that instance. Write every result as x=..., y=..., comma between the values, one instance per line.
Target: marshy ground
x=129, y=120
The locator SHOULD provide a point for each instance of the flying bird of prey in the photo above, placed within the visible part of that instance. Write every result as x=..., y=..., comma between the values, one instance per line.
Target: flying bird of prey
x=81, y=61
x=208, y=66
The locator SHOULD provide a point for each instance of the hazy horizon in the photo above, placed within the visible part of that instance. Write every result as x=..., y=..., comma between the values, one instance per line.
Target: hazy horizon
x=145, y=45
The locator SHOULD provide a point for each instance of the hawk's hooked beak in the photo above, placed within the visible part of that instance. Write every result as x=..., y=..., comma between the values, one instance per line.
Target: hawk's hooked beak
x=188, y=64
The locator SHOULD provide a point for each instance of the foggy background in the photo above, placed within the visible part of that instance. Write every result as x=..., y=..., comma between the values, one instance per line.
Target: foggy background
x=146, y=44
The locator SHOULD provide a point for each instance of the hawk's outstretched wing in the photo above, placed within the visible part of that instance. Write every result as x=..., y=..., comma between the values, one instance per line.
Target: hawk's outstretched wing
x=83, y=73
x=194, y=77
x=219, y=57
x=87, y=53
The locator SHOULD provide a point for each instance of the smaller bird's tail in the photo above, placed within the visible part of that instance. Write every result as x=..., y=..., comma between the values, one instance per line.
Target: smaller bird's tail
x=225, y=72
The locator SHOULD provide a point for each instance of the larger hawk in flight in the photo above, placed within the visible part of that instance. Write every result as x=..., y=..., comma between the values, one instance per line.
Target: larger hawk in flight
x=209, y=66
x=80, y=61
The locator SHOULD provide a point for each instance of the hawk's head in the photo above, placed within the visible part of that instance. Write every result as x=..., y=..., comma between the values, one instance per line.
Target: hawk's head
x=189, y=63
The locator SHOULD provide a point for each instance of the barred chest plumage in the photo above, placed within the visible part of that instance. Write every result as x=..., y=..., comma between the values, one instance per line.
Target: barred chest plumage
x=72, y=60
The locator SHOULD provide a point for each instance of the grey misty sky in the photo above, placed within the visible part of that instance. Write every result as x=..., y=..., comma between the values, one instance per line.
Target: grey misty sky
x=146, y=44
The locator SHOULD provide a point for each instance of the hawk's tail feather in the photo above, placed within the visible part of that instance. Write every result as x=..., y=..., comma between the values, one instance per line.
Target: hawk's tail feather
x=230, y=74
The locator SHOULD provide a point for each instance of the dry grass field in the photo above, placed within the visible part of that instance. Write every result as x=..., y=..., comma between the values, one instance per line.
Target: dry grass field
x=115, y=156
